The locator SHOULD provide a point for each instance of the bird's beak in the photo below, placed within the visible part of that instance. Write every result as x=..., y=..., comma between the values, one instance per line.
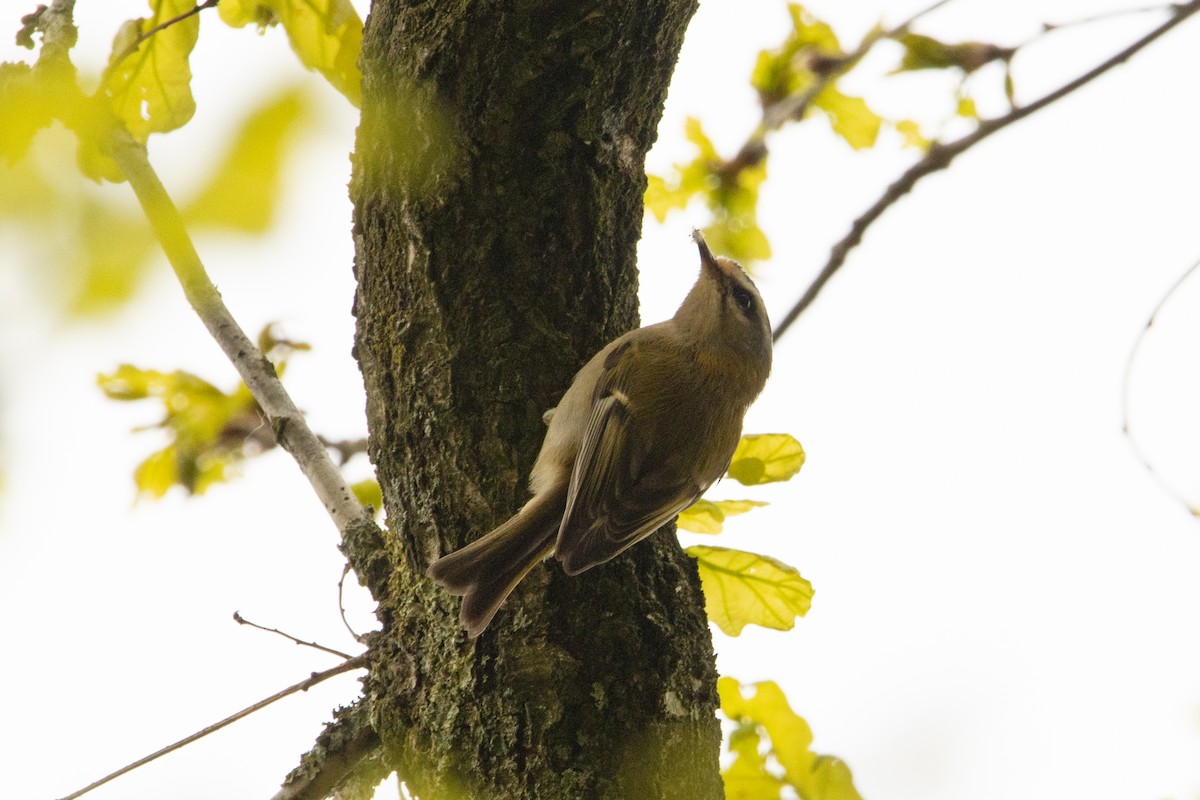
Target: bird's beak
x=707, y=260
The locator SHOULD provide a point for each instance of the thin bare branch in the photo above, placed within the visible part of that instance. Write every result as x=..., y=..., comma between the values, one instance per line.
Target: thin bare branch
x=358, y=637
x=941, y=155
x=1127, y=388
x=357, y=662
x=240, y=620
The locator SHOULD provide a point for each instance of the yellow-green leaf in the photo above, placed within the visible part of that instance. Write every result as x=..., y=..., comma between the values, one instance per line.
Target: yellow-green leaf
x=789, y=68
x=911, y=132
x=743, y=589
x=149, y=88
x=747, y=777
x=851, y=117
x=925, y=52
x=708, y=516
x=763, y=707
x=325, y=34
x=766, y=458
x=244, y=190
x=210, y=431
x=157, y=474
x=369, y=493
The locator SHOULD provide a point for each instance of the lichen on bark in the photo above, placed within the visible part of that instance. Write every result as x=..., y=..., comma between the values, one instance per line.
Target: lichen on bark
x=498, y=178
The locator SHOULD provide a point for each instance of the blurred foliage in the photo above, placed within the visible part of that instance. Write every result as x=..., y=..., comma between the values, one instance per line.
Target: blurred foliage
x=795, y=80
x=761, y=716
x=743, y=589
x=325, y=34
x=210, y=431
x=94, y=250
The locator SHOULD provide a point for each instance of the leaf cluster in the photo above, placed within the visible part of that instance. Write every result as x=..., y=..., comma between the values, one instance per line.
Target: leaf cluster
x=209, y=430
x=742, y=588
x=799, y=79
x=771, y=747
x=101, y=249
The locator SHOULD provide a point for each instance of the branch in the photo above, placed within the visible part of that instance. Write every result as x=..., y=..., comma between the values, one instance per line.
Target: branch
x=342, y=750
x=941, y=155
x=257, y=372
x=1127, y=386
x=358, y=662
x=240, y=620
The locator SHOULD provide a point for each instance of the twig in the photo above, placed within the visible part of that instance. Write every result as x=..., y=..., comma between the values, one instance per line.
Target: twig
x=1104, y=16
x=358, y=662
x=345, y=448
x=358, y=637
x=256, y=371
x=941, y=155
x=1127, y=385
x=240, y=620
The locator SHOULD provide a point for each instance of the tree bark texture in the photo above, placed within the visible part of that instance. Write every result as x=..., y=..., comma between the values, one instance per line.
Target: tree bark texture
x=498, y=181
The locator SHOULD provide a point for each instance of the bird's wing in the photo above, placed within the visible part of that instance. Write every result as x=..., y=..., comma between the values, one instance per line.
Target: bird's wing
x=620, y=490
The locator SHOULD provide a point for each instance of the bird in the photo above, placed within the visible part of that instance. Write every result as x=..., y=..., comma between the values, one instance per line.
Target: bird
x=645, y=427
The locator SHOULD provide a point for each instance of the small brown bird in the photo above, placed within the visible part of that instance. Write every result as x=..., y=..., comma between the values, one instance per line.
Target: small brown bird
x=647, y=425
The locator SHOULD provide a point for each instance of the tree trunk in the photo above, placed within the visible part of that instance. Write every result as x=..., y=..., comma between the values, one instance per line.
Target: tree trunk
x=498, y=184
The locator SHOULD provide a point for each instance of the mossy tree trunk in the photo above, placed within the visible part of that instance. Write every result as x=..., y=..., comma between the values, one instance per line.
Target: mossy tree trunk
x=498, y=178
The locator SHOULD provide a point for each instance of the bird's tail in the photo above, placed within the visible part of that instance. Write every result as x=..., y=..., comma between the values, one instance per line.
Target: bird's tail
x=487, y=570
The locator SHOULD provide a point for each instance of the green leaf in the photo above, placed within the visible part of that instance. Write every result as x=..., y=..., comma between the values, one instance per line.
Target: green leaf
x=925, y=52
x=763, y=708
x=243, y=192
x=793, y=66
x=743, y=589
x=707, y=516
x=911, y=132
x=209, y=430
x=747, y=777
x=369, y=493
x=851, y=117
x=24, y=108
x=325, y=34
x=766, y=458
x=157, y=474
x=149, y=88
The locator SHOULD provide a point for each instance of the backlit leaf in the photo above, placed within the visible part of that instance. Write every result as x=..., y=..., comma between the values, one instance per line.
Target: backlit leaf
x=911, y=132
x=210, y=431
x=793, y=66
x=325, y=34
x=369, y=493
x=851, y=117
x=925, y=52
x=766, y=458
x=743, y=589
x=149, y=88
x=747, y=778
x=763, y=708
x=708, y=516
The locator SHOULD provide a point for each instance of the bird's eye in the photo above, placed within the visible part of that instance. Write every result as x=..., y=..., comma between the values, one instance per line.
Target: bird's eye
x=744, y=300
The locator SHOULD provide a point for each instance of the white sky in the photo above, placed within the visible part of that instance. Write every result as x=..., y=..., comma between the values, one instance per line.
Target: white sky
x=1006, y=602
